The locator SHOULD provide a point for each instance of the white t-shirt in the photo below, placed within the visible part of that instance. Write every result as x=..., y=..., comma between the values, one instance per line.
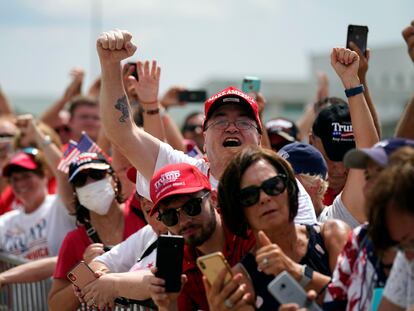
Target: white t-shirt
x=399, y=288
x=123, y=256
x=167, y=155
x=339, y=211
x=38, y=234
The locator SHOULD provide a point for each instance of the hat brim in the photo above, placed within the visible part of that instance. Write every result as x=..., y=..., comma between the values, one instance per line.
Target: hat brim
x=96, y=166
x=175, y=192
x=358, y=158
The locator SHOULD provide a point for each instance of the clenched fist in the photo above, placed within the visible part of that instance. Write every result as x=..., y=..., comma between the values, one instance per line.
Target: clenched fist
x=114, y=46
x=346, y=64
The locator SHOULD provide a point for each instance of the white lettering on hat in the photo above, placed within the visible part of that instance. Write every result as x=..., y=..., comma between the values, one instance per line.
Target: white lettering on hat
x=342, y=132
x=166, y=178
x=230, y=92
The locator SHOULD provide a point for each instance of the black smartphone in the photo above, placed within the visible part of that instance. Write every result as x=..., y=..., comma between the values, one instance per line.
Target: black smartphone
x=135, y=72
x=194, y=96
x=358, y=35
x=170, y=251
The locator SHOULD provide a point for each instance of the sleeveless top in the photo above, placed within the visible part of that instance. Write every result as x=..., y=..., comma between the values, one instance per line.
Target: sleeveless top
x=316, y=257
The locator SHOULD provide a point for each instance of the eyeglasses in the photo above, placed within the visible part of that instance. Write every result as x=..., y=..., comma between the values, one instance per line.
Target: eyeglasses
x=240, y=124
x=191, y=208
x=192, y=128
x=273, y=186
x=81, y=177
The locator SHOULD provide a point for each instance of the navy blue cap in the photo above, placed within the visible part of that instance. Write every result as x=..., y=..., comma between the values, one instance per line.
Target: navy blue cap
x=379, y=153
x=305, y=159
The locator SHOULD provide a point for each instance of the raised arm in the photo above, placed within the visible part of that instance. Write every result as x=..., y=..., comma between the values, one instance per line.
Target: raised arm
x=74, y=88
x=346, y=64
x=405, y=126
x=140, y=148
x=362, y=75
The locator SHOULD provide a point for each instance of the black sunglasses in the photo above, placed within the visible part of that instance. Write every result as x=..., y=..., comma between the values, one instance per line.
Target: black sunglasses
x=191, y=208
x=273, y=186
x=81, y=177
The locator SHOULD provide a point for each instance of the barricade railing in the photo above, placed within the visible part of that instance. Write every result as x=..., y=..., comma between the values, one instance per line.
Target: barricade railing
x=33, y=296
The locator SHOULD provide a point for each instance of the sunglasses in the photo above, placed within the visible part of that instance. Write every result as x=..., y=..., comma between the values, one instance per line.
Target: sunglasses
x=273, y=186
x=191, y=208
x=192, y=128
x=82, y=177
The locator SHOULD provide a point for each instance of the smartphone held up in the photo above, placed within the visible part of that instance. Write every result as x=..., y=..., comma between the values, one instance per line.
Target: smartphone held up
x=211, y=266
x=81, y=275
x=170, y=253
x=359, y=36
x=251, y=86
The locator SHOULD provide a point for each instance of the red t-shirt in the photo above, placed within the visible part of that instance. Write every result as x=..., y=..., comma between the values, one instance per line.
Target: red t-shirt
x=193, y=295
x=329, y=197
x=76, y=242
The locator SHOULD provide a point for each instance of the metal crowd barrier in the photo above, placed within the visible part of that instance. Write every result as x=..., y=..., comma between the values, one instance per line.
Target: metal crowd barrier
x=33, y=296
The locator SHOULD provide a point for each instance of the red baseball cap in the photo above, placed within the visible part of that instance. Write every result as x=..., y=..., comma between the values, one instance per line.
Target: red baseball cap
x=22, y=160
x=173, y=179
x=232, y=95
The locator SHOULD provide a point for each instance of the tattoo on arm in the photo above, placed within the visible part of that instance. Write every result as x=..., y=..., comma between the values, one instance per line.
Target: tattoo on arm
x=122, y=105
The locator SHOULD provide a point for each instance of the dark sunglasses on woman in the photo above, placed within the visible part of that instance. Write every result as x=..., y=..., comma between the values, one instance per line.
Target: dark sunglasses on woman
x=81, y=177
x=191, y=208
x=273, y=186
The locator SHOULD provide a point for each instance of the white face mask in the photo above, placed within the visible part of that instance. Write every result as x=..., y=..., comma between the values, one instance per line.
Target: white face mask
x=97, y=196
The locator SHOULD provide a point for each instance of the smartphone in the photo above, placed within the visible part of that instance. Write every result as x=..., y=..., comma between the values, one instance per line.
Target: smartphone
x=81, y=275
x=358, y=35
x=135, y=72
x=193, y=96
x=251, y=86
x=286, y=289
x=170, y=251
x=212, y=264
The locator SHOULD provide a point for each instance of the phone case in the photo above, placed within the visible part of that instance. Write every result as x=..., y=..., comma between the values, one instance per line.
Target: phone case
x=287, y=290
x=251, y=85
x=358, y=35
x=195, y=96
x=81, y=275
x=170, y=250
x=212, y=264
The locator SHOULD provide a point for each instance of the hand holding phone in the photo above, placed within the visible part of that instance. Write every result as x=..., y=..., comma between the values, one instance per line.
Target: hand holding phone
x=286, y=289
x=135, y=71
x=81, y=275
x=212, y=264
x=358, y=35
x=251, y=86
x=170, y=253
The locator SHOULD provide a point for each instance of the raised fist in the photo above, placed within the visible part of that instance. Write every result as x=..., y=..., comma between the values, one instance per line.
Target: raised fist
x=114, y=46
x=346, y=64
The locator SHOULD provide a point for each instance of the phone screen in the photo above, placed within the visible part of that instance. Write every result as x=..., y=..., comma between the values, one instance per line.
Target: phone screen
x=170, y=252
x=358, y=35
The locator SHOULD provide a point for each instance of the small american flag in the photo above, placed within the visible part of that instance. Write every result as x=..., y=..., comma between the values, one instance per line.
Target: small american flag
x=85, y=144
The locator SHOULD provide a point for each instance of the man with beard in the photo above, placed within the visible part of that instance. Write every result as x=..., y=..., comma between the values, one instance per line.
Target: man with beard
x=231, y=122
x=182, y=196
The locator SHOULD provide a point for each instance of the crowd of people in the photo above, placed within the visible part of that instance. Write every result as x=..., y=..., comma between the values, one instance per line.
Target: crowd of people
x=100, y=175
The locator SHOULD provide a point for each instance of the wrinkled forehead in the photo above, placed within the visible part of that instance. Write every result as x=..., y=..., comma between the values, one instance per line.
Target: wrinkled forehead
x=228, y=110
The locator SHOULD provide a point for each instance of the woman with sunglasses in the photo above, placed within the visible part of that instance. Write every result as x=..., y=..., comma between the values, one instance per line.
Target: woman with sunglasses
x=258, y=192
x=104, y=220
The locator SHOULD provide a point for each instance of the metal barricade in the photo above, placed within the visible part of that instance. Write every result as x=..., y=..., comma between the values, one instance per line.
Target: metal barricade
x=24, y=296
x=33, y=296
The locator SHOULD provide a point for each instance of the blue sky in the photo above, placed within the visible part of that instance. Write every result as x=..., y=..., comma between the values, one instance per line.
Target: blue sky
x=193, y=40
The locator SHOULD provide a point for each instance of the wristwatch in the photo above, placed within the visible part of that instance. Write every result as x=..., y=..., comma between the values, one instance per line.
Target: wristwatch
x=307, y=274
